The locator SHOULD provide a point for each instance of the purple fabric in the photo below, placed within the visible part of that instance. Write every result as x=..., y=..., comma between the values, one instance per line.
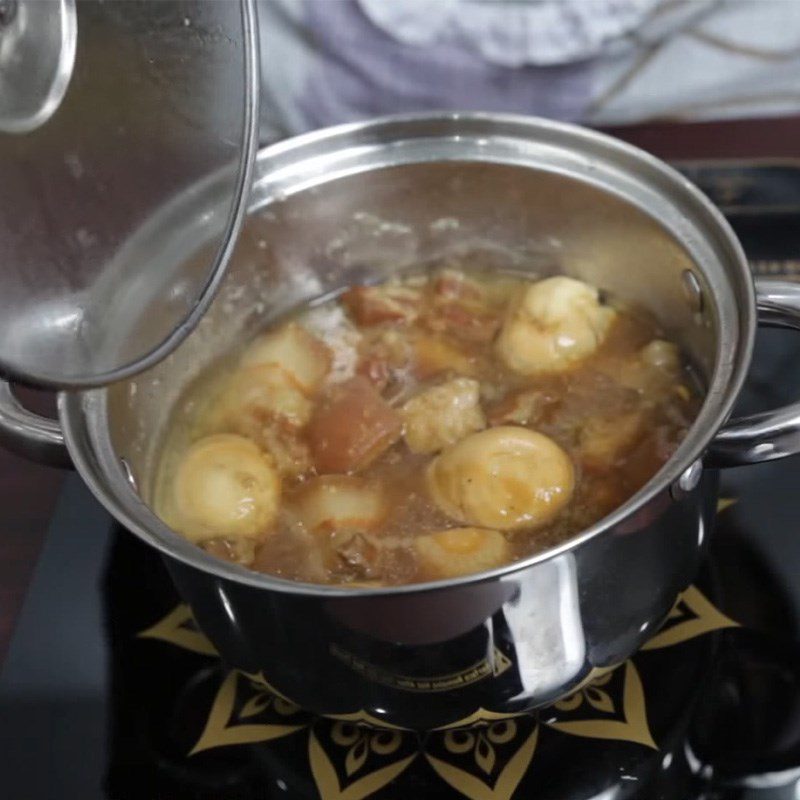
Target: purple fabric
x=361, y=72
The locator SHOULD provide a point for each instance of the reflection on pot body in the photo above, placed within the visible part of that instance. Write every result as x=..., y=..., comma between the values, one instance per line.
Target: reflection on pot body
x=544, y=622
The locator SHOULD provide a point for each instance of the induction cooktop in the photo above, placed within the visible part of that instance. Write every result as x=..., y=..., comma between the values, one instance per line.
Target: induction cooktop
x=110, y=691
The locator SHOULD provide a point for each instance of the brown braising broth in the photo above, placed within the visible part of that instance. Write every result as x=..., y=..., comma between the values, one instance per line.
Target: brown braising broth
x=424, y=428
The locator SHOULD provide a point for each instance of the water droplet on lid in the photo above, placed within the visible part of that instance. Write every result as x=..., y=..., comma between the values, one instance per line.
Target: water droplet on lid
x=85, y=237
x=74, y=165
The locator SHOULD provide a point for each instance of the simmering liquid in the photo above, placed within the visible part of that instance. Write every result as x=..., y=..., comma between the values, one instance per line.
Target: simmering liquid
x=425, y=428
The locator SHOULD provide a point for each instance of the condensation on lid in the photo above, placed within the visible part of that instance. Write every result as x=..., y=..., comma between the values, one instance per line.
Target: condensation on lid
x=109, y=112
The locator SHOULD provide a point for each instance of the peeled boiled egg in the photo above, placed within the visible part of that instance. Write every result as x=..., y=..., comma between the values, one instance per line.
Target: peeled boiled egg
x=505, y=478
x=553, y=324
x=224, y=487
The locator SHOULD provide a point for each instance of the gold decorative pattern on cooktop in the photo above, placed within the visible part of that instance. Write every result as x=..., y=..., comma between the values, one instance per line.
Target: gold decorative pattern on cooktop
x=482, y=757
x=179, y=628
x=691, y=616
x=487, y=761
x=612, y=706
x=350, y=762
x=244, y=711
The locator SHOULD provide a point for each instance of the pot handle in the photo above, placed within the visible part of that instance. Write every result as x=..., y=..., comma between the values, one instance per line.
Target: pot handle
x=29, y=435
x=769, y=434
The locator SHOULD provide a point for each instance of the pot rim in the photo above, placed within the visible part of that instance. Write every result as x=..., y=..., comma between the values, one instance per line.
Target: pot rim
x=94, y=457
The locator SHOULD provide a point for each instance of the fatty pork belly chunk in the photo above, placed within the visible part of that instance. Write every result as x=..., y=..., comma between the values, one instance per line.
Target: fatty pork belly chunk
x=341, y=502
x=434, y=355
x=442, y=415
x=394, y=358
x=605, y=439
x=502, y=478
x=303, y=357
x=225, y=495
x=521, y=407
x=463, y=308
x=270, y=397
x=553, y=324
x=460, y=551
x=385, y=355
x=389, y=302
x=351, y=427
x=656, y=378
x=258, y=396
x=655, y=371
x=342, y=512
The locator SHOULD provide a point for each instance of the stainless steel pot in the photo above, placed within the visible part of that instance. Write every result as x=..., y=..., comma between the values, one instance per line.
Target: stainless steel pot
x=359, y=202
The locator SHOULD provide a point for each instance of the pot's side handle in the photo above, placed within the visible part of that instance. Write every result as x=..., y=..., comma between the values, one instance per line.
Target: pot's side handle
x=769, y=434
x=36, y=438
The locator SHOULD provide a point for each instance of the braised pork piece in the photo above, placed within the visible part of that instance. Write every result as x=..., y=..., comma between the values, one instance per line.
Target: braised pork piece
x=425, y=428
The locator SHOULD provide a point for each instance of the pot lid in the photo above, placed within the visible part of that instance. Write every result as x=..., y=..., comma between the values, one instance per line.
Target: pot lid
x=108, y=111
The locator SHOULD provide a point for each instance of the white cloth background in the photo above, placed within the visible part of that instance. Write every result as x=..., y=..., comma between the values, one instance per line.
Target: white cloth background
x=593, y=61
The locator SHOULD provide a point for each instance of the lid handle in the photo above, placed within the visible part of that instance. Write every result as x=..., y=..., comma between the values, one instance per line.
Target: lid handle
x=37, y=56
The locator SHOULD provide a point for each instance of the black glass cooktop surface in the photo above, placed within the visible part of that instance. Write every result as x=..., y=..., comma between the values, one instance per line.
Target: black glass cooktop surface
x=90, y=708
x=110, y=691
